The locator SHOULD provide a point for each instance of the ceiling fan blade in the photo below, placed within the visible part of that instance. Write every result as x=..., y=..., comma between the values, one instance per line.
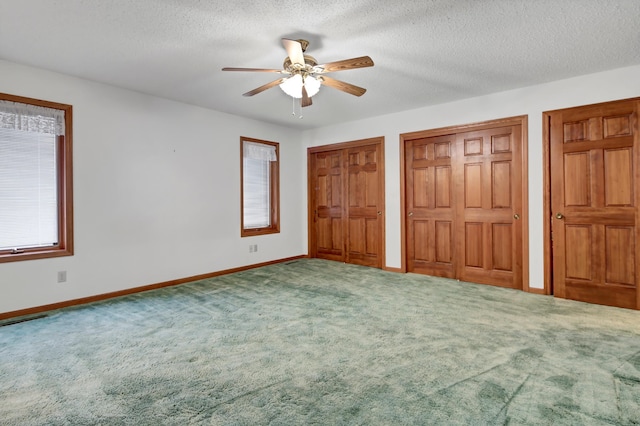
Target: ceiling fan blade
x=341, y=85
x=305, y=101
x=254, y=70
x=294, y=51
x=346, y=64
x=264, y=87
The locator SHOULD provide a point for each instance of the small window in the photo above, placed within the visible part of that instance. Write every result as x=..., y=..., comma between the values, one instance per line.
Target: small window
x=35, y=179
x=260, y=187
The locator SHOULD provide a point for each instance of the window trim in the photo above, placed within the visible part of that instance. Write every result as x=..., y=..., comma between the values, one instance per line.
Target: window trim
x=274, y=186
x=65, y=189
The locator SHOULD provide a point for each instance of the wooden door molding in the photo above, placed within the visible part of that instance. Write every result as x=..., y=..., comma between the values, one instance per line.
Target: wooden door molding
x=350, y=158
x=546, y=203
x=521, y=121
x=595, y=151
x=345, y=145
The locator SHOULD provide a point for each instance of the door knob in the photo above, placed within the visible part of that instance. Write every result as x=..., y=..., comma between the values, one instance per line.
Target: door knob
x=559, y=216
x=410, y=213
x=379, y=213
x=516, y=216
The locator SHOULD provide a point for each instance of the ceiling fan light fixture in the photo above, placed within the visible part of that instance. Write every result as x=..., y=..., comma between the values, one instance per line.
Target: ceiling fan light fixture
x=304, y=76
x=293, y=86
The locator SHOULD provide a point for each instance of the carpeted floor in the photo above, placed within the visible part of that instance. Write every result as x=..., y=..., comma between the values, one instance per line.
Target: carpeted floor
x=317, y=342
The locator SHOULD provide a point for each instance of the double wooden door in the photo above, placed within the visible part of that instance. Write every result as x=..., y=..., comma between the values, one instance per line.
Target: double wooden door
x=464, y=205
x=346, y=202
x=594, y=171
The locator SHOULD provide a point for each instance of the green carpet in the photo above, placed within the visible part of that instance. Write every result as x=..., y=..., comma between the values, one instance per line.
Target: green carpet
x=317, y=342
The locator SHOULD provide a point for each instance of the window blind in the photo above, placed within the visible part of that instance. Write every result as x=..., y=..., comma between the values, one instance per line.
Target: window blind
x=28, y=175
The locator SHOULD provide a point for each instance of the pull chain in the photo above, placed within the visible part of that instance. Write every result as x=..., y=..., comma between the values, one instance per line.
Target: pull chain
x=293, y=108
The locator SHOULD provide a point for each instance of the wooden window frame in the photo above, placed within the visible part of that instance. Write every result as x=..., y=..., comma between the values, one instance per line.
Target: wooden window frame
x=274, y=196
x=65, y=190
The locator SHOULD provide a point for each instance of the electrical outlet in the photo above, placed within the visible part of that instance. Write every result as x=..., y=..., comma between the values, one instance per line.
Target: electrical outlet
x=62, y=276
x=255, y=248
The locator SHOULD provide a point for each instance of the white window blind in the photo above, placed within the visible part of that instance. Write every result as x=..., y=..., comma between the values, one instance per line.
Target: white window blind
x=28, y=175
x=256, y=180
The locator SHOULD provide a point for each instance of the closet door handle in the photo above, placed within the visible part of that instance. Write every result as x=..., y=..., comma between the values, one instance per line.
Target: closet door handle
x=410, y=213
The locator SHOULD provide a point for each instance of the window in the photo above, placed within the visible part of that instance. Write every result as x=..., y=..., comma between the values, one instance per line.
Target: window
x=260, y=187
x=36, y=215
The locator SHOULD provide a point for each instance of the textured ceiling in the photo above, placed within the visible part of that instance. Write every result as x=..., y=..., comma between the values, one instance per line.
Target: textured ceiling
x=425, y=51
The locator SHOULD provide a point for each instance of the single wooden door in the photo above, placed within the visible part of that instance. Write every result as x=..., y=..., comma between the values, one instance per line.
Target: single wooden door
x=346, y=202
x=364, y=187
x=327, y=176
x=594, y=169
x=429, y=199
x=488, y=176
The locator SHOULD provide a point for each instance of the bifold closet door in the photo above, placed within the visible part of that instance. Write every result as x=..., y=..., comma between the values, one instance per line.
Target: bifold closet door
x=430, y=205
x=327, y=174
x=464, y=204
x=347, y=202
x=488, y=182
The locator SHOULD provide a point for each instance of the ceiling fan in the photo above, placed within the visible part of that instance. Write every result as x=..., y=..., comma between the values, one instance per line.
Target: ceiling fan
x=304, y=76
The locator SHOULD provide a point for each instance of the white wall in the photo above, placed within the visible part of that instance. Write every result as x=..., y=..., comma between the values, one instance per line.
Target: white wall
x=156, y=192
x=532, y=101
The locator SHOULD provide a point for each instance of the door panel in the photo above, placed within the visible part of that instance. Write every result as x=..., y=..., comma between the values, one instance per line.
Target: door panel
x=328, y=176
x=578, y=262
x=365, y=223
x=490, y=236
x=443, y=187
x=618, y=177
x=620, y=246
x=463, y=201
x=429, y=196
x=443, y=241
x=501, y=183
x=578, y=178
x=594, y=170
x=347, y=202
x=502, y=244
x=474, y=245
x=473, y=185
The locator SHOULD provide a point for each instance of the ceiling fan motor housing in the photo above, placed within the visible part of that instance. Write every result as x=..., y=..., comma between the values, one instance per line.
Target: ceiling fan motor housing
x=309, y=63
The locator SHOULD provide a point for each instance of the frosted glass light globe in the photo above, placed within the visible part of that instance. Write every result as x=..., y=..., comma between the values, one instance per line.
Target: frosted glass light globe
x=293, y=86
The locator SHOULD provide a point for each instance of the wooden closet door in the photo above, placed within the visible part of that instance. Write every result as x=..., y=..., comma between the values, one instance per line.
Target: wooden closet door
x=364, y=189
x=487, y=174
x=594, y=167
x=463, y=195
x=429, y=205
x=346, y=202
x=327, y=232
